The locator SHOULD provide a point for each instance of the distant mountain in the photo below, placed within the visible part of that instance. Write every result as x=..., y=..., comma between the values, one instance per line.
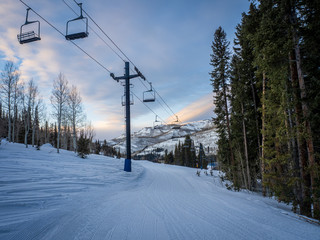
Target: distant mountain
x=162, y=137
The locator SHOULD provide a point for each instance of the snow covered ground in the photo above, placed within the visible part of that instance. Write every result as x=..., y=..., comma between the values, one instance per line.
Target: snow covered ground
x=45, y=195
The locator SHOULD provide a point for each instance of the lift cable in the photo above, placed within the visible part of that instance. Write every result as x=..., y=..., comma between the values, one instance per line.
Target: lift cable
x=125, y=57
x=167, y=105
x=106, y=35
x=164, y=108
x=148, y=107
x=108, y=45
x=64, y=36
x=93, y=57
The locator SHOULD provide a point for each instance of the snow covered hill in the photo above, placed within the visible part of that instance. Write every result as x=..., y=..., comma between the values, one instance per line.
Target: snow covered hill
x=164, y=137
x=45, y=195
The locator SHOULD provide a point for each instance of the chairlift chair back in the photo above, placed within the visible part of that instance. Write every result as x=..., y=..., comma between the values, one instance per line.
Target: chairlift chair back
x=32, y=35
x=149, y=95
x=77, y=35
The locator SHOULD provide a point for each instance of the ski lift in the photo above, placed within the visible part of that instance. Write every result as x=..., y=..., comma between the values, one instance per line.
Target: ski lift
x=77, y=35
x=123, y=100
x=29, y=36
x=155, y=125
x=149, y=96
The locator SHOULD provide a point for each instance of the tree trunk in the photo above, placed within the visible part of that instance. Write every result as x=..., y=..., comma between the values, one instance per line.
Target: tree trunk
x=58, y=138
x=33, y=133
x=302, y=165
x=74, y=137
x=59, y=126
x=9, y=114
x=14, y=122
x=309, y=141
x=46, y=133
x=26, y=134
x=246, y=148
x=256, y=116
x=27, y=126
x=305, y=112
x=242, y=169
x=233, y=167
x=263, y=131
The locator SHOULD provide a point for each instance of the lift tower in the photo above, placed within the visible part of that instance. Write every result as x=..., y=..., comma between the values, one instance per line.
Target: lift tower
x=127, y=77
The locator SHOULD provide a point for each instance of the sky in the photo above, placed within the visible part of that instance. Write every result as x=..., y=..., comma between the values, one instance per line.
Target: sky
x=168, y=40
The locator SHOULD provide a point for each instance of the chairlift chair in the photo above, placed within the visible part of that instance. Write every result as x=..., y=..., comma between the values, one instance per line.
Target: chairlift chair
x=29, y=36
x=155, y=125
x=78, y=35
x=149, y=96
x=123, y=100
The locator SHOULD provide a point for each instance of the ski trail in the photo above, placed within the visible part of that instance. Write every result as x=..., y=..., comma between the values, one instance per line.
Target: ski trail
x=159, y=202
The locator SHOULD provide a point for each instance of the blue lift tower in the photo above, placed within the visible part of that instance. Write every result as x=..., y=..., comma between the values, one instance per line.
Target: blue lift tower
x=127, y=77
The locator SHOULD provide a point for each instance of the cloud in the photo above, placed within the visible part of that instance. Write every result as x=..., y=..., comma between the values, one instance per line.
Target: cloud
x=111, y=127
x=168, y=41
x=198, y=110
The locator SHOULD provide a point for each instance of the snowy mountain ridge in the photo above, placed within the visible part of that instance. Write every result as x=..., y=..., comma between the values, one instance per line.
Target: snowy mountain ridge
x=162, y=137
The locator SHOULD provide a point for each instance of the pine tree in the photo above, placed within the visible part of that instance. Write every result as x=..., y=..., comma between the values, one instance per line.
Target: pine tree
x=203, y=163
x=186, y=152
x=272, y=45
x=83, y=145
x=166, y=156
x=308, y=34
x=283, y=38
x=170, y=158
x=178, y=158
x=97, y=145
x=245, y=118
x=220, y=81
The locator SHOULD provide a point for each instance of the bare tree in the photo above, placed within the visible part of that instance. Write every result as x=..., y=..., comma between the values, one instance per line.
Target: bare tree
x=29, y=103
x=17, y=93
x=36, y=117
x=65, y=130
x=59, y=100
x=9, y=77
x=89, y=133
x=76, y=115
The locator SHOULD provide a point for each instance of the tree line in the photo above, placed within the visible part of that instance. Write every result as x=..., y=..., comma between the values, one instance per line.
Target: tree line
x=23, y=116
x=266, y=97
x=185, y=154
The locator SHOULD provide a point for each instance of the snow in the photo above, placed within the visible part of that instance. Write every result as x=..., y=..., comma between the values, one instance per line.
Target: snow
x=165, y=137
x=45, y=195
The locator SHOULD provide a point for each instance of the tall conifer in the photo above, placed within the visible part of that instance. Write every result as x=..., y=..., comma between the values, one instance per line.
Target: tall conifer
x=220, y=82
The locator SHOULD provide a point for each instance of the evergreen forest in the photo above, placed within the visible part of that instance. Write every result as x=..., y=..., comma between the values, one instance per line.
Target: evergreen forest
x=266, y=92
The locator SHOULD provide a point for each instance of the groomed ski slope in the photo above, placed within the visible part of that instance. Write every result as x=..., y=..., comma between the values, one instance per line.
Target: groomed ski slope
x=45, y=195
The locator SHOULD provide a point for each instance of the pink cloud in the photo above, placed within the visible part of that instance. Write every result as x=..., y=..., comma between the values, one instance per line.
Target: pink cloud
x=201, y=108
